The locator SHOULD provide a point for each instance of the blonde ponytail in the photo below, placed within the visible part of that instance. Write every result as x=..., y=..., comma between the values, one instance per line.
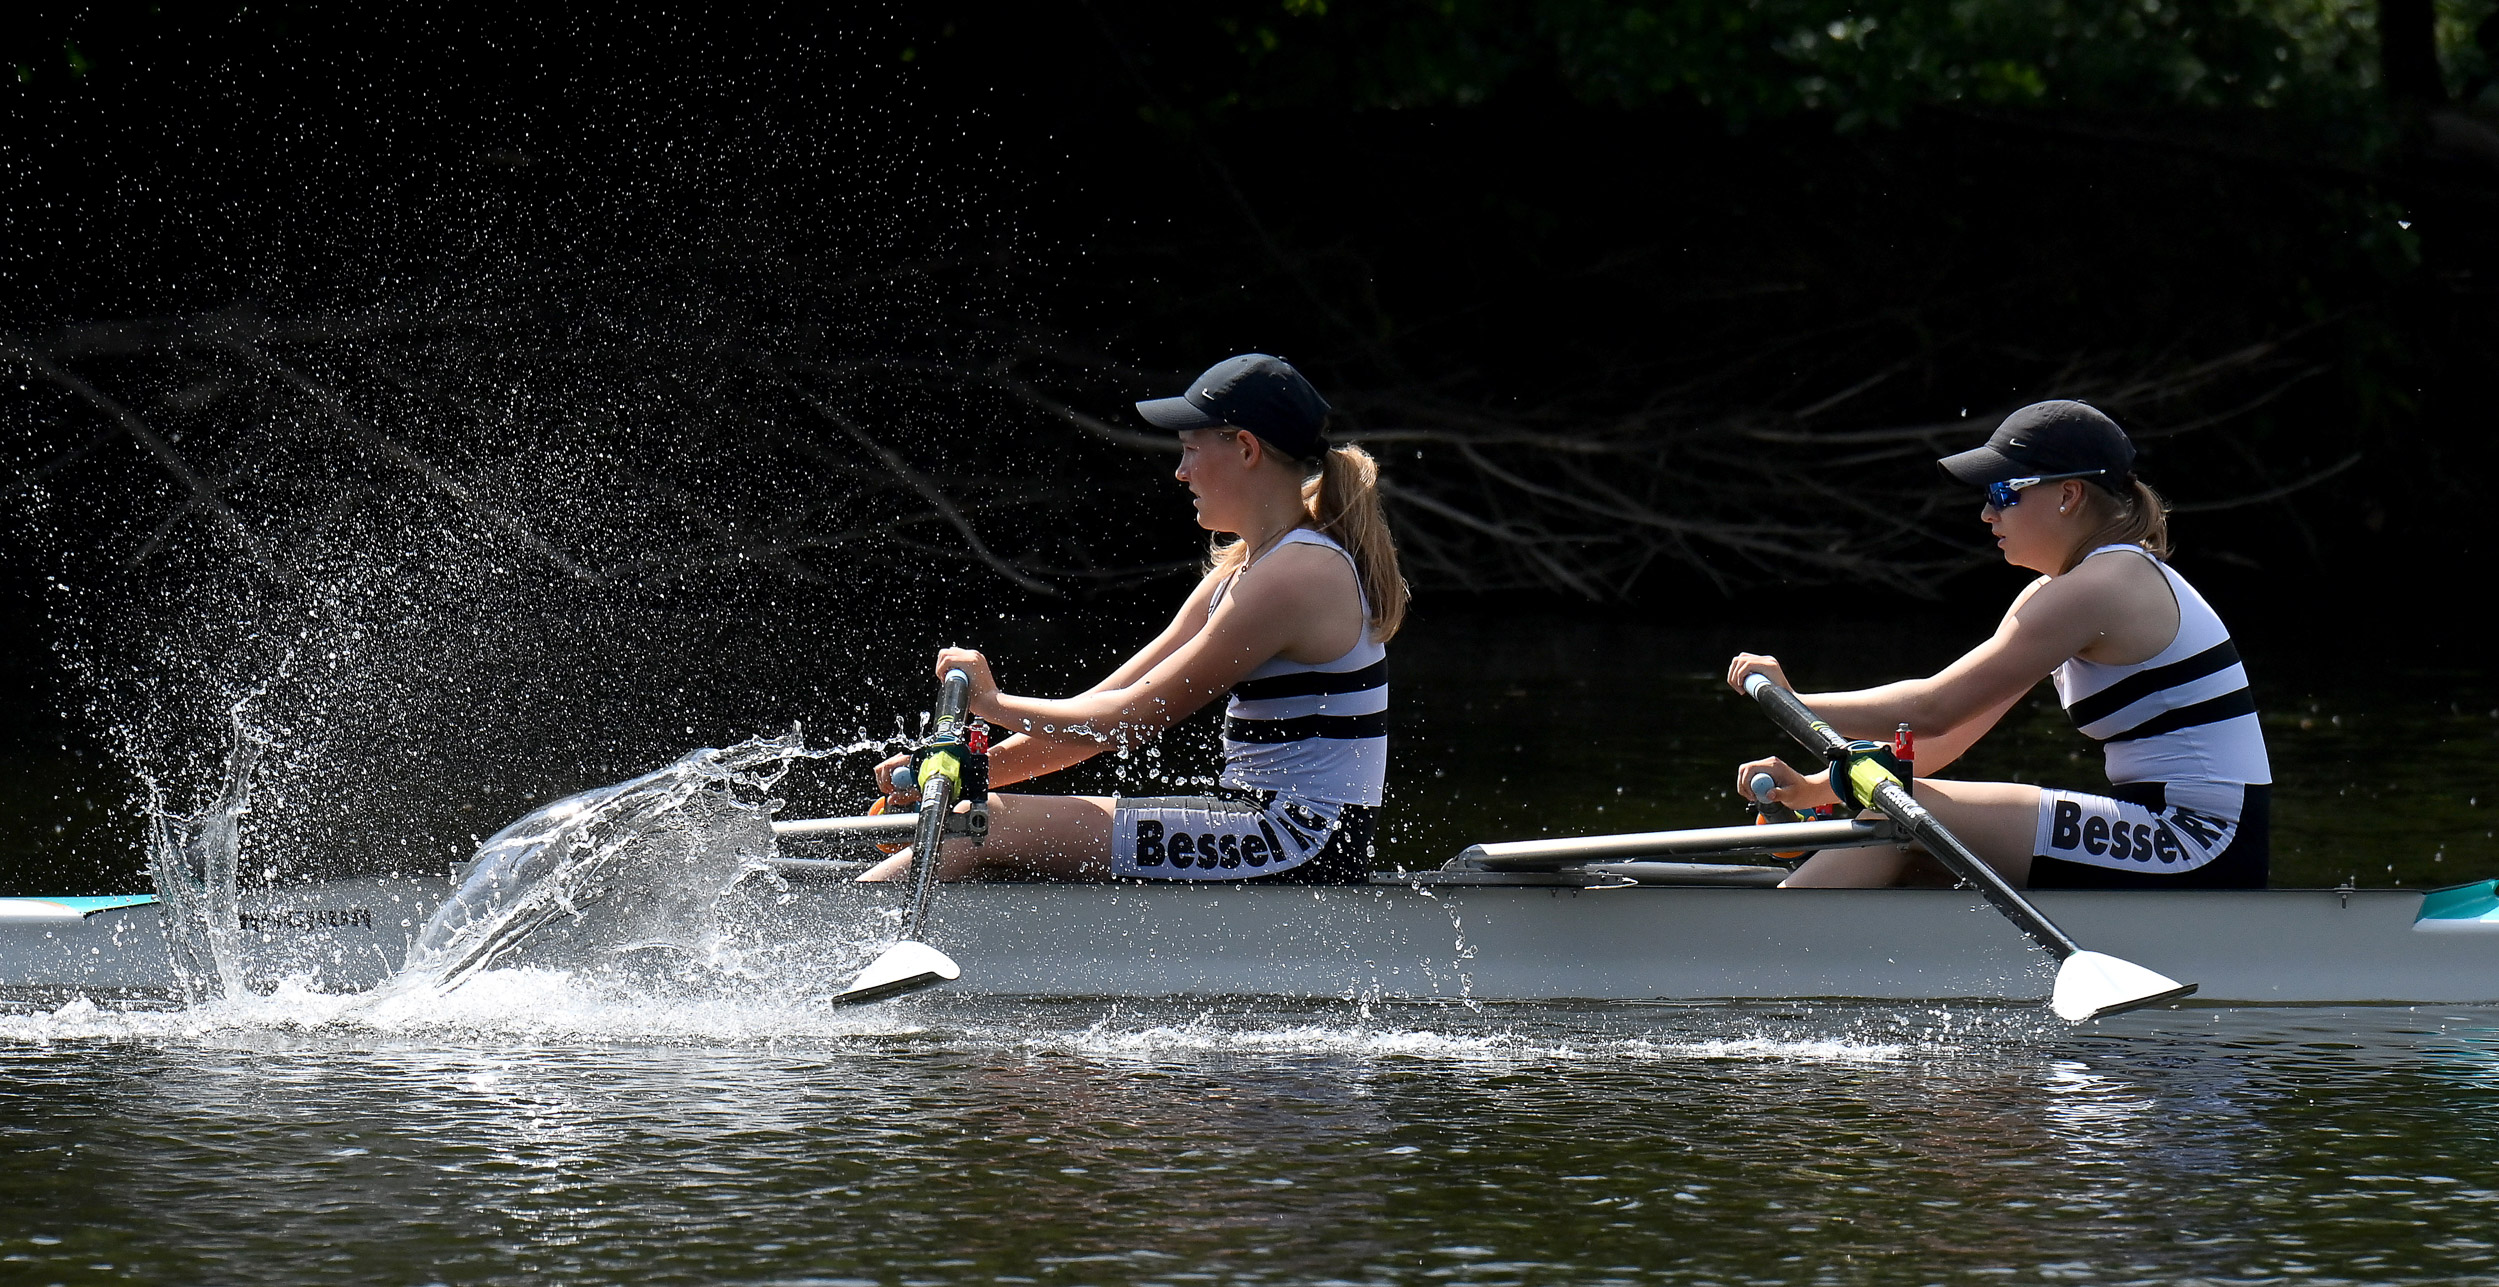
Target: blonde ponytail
x=2137, y=516
x=1344, y=501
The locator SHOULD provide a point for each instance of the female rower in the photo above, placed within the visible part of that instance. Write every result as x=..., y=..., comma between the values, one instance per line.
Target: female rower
x=2141, y=664
x=1301, y=593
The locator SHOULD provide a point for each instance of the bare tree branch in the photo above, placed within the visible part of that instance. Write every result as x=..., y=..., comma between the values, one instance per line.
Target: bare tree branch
x=375, y=440
x=1650, y=464
x=921, y=483
x=2270, y=493
x=1098, y=428
x=203, y=495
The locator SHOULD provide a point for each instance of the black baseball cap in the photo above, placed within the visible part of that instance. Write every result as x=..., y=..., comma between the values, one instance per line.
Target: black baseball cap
x=2049, y=438
x=1262, y=394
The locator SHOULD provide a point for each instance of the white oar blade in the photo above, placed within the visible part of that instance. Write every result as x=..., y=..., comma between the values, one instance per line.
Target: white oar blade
x=2090, y=985
x=907, y=966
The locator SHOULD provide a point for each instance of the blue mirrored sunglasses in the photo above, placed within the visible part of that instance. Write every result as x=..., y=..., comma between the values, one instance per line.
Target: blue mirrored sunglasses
x=2007, y=494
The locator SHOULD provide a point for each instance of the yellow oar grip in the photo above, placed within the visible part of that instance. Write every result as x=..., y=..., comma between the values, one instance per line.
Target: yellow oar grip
x=1865, y=773
x=949, y=764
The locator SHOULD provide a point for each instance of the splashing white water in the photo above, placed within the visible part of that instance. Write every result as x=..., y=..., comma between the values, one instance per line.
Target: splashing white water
x=1363, y=1039
x=194, y=859
x=630, y=874
x=533, y=1006
x=653, y=856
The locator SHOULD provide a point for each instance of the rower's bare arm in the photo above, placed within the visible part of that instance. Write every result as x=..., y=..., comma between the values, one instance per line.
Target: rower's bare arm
x=1011, y=760
x=1936, y=752
x=1185, y=624
x=1028, y=755
x=1024, y=757
x=1790, y=785
x=2113, y=604
x=2049, y=622
x=1257, y=620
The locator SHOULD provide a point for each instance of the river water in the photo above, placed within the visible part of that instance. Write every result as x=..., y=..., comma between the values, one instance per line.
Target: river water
x=525, y=1134
x=532, y=1128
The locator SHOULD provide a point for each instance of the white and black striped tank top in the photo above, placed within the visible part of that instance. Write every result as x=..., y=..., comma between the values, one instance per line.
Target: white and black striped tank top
x=1311, y=732
x=2183, y=716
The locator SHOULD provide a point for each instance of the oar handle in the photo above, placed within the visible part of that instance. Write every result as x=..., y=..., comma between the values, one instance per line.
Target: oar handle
x=1791, y=714
x=954, y=694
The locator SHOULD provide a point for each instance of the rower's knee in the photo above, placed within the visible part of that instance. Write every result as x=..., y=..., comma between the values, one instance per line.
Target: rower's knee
x=1849, y=869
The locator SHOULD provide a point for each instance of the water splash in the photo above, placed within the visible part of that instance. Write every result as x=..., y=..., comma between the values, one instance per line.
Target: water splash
x=653, y=856
x=194, y=859
x=1460, y=951
x=534, y=1006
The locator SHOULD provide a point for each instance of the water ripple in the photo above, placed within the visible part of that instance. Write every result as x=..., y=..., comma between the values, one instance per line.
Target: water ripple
x=537, y=1125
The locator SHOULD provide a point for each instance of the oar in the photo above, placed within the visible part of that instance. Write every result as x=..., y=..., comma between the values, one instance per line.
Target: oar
x=911, y=964
x=2088, y=984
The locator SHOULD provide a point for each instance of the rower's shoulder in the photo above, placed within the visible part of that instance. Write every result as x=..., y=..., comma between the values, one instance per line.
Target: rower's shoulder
x=2114, y=568
x=2104, y=596
x=2123, y=572
x=2092, y=588
x=1203, y=593
x=1302, y=566
x=2029, y=592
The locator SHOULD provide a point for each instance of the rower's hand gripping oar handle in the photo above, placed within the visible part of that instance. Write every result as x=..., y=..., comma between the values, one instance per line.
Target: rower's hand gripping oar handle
x=1874, y=782
x=944, y=752
x=1854, y=776
x=1767, y=810
x=953, y=695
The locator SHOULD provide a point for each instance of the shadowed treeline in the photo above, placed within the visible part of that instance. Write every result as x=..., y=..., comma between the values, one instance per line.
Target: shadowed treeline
x=1590, y=271
x=1648, y=255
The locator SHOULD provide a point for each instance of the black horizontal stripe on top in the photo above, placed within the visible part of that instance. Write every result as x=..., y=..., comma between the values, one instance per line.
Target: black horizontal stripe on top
x=1344, y=728
x=1312, y=683
x=2135, y=687
x=2227, y=706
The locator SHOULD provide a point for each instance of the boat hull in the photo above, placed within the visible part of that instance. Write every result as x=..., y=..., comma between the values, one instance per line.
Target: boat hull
x=1389, y=941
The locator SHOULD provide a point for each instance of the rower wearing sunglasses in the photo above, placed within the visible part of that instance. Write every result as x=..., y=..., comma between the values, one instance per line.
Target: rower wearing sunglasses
x=2141, y=664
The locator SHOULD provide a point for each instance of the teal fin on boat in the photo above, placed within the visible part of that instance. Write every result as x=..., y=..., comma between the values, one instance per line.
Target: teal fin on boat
x=2473, y=907
x=103, y=903
x=67, y=909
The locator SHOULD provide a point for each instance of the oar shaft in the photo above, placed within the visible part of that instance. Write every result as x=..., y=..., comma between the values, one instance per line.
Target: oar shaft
x=1922, y=826
x=937, y=799
x=1791, y=714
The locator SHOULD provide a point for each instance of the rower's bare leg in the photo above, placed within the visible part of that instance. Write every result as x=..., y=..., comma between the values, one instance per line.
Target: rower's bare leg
x=1059, y=837
x=1997, y=820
